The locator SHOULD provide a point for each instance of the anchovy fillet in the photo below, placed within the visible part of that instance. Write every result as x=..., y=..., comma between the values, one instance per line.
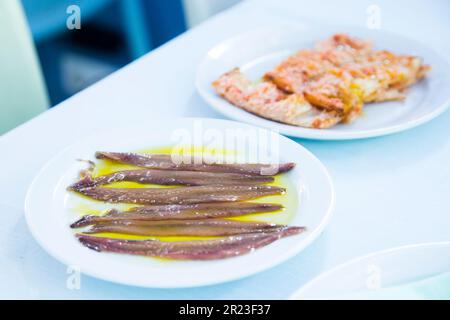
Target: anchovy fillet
x=195, y=228
x=164, y=177
x=188, y=250
x=165, y=162
x=180, y=212
x=183, y=195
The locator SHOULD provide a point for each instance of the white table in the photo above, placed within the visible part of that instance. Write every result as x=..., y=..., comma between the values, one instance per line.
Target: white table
x=390, y=191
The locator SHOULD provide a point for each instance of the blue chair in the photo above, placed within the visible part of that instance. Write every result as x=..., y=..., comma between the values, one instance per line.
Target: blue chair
x=47, y=18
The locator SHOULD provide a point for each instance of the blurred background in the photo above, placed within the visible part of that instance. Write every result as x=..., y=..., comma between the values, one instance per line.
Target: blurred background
x=113, y=33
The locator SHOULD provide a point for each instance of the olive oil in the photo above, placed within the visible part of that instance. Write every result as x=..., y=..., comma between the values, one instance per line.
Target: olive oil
x=103, y=167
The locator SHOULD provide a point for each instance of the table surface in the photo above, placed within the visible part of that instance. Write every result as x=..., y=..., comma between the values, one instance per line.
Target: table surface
x=391, y=190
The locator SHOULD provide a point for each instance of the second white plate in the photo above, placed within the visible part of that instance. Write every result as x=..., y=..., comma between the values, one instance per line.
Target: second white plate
x=260, y=50
x=382, y=269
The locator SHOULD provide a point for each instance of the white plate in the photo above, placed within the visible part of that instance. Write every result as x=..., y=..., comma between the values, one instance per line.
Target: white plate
x=260, y=50
x=49, y=207
x=391, y=267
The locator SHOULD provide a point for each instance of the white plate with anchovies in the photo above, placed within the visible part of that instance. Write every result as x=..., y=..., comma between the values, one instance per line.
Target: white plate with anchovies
x=307, y=198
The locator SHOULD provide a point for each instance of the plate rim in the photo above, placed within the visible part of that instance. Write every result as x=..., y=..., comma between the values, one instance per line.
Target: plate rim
x=310, y=133
x=197, y=283
x=297, y=294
